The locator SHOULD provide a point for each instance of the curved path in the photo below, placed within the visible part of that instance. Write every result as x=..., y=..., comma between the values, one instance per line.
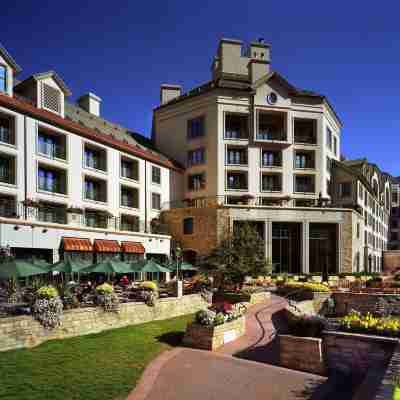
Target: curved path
x=183, y=374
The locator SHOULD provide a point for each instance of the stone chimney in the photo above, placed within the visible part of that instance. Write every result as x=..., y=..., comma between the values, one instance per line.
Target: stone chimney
x=90, y=103
x=260, y=59
x=169, y=92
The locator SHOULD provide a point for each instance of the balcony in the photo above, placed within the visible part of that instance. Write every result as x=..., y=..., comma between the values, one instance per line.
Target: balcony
x=52, y=145
x=236, y=127
x=54, y=213
x=95, y=158
x=97, y=219
x=7, y=169
x=271, y=127
x=271, y=183
x=305, y=131
x=236, y=181
x=304, y=184
x=95, y=190
x=196, y=182
x=304, y=160
x=129, y=169
x=7, y=129
x=9, y=207
x=129, y=223
x=129, y=197
x=52, y=180
x=236, y=156
x=271, y=158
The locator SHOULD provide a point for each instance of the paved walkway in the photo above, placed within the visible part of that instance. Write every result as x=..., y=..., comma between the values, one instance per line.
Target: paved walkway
x=195, y=374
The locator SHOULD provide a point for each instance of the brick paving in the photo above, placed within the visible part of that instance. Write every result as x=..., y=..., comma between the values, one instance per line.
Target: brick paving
x=195, y=374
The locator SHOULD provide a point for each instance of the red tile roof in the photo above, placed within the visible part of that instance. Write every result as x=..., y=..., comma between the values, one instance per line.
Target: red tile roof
x=132, y=247
x=106, y=246
x=76, y=244
x=56, y=120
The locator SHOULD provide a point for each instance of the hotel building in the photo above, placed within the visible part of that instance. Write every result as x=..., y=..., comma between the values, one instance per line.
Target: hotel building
x=71, y=182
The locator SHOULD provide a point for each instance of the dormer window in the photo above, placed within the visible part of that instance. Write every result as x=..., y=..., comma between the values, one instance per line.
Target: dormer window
x=51, y=98
x=3, y=79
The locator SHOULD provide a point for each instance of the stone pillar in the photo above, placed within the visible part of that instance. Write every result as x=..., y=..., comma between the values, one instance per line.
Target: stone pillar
x=305, y=243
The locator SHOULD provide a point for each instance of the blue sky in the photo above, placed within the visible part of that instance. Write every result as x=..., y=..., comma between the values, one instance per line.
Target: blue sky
x=123, y=50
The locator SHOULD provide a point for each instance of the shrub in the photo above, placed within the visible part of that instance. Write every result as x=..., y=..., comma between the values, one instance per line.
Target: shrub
x=149, y=285
x=355, y=322
x=306, y=286
x=47, y=292
x=205, y=317
x=217, y=317
x=104, y=288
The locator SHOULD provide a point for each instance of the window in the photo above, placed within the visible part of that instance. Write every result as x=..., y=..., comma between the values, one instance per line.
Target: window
x=7, y=129
x=305, y=131
x=196, y=182
x=52, y=180
x=329, y=138
x=236, y=126
x=335, y=146
x=328, y=164
x=129, y=197
x=271, y=158
x=196, y=157
x=360, y=191
x=51, y=212
x=95, y=189
x=7, y=169
x=53, y=146
x=129, y=223
x=8, y=206
x=156, y=175
x=95, y=157
x=345, y=189
x=96, y=219
x=271, y=183
x=236, y=181
x=358, y=230
x=236, y=156
x=304, y=160
x=156, y=201
x=271, y=126
x=188, y=226
x=129, y=168
x=195, y=128
x=304, y=184
x=3, y=79
x=51, y=99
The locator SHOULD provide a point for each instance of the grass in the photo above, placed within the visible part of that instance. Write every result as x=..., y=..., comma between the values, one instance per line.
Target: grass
x=104, y=366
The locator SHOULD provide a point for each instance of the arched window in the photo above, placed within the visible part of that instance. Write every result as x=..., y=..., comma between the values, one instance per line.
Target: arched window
x=3, y=78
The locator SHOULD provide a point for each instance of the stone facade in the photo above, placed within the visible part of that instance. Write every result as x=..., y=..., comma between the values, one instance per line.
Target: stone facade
x=376, y=303
x=391, y=262
x=302, y=353
x=209, y=226
x=19, y=332
x=354, y=354
x=212, y=337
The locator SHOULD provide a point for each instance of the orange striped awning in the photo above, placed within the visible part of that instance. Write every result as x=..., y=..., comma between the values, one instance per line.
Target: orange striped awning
x=106, y=246
x=76, y=244
x=132, y=247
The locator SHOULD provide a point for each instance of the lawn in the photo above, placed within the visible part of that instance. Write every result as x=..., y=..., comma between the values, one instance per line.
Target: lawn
x=104, y=366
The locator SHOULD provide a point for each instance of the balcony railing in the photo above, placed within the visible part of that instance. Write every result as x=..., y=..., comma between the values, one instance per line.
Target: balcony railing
x=272, y=135
x=305, y=139
x=55, y=215
x=52, y=150
x=9, y=208
x=7, y=177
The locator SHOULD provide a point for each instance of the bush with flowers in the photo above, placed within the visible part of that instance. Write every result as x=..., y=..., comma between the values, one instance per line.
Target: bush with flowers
x=220, y=314
x=48, y=307
x=107, y=298
x=368, y=324
x=104, y=288
x=306, y=286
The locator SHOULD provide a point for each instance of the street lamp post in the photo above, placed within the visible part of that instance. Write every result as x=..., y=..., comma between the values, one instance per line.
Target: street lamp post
x=179, y=286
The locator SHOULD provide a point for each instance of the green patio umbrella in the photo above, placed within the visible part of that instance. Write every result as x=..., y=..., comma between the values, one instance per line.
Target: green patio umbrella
x=150, y=266
x=20, y=269
x=69, y=267
x=108, y=267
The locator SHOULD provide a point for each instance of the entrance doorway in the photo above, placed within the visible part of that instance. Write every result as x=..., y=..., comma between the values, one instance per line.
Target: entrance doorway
x=323, y=248
x=286, y=247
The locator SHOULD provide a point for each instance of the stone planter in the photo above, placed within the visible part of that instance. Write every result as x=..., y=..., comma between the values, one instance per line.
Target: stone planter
x=302, y=354
x=212, y=337
x=260, y=297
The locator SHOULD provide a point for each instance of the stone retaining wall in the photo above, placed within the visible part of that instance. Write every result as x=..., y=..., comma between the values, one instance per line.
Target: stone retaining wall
x=211, y=337
x=354, y=354
x=376, y=303
x=24, y=331
x=302, y=353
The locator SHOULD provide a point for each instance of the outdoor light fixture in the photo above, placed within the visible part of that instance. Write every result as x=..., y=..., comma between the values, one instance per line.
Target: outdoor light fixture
x=16, y=228
x=44, y=230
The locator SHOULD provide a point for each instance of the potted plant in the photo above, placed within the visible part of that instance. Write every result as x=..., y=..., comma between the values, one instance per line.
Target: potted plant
x=48, y=307
x=106, y=297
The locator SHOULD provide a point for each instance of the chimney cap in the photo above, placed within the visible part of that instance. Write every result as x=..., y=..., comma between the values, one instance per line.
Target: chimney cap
x=89, y=95
x=169, y=86
x=260, y=43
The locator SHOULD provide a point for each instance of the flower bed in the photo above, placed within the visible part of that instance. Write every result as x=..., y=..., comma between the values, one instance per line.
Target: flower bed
x=368, y=324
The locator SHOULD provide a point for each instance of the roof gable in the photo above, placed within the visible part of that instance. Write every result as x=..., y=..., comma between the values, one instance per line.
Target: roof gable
x=45, y=75
x=4, y=53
